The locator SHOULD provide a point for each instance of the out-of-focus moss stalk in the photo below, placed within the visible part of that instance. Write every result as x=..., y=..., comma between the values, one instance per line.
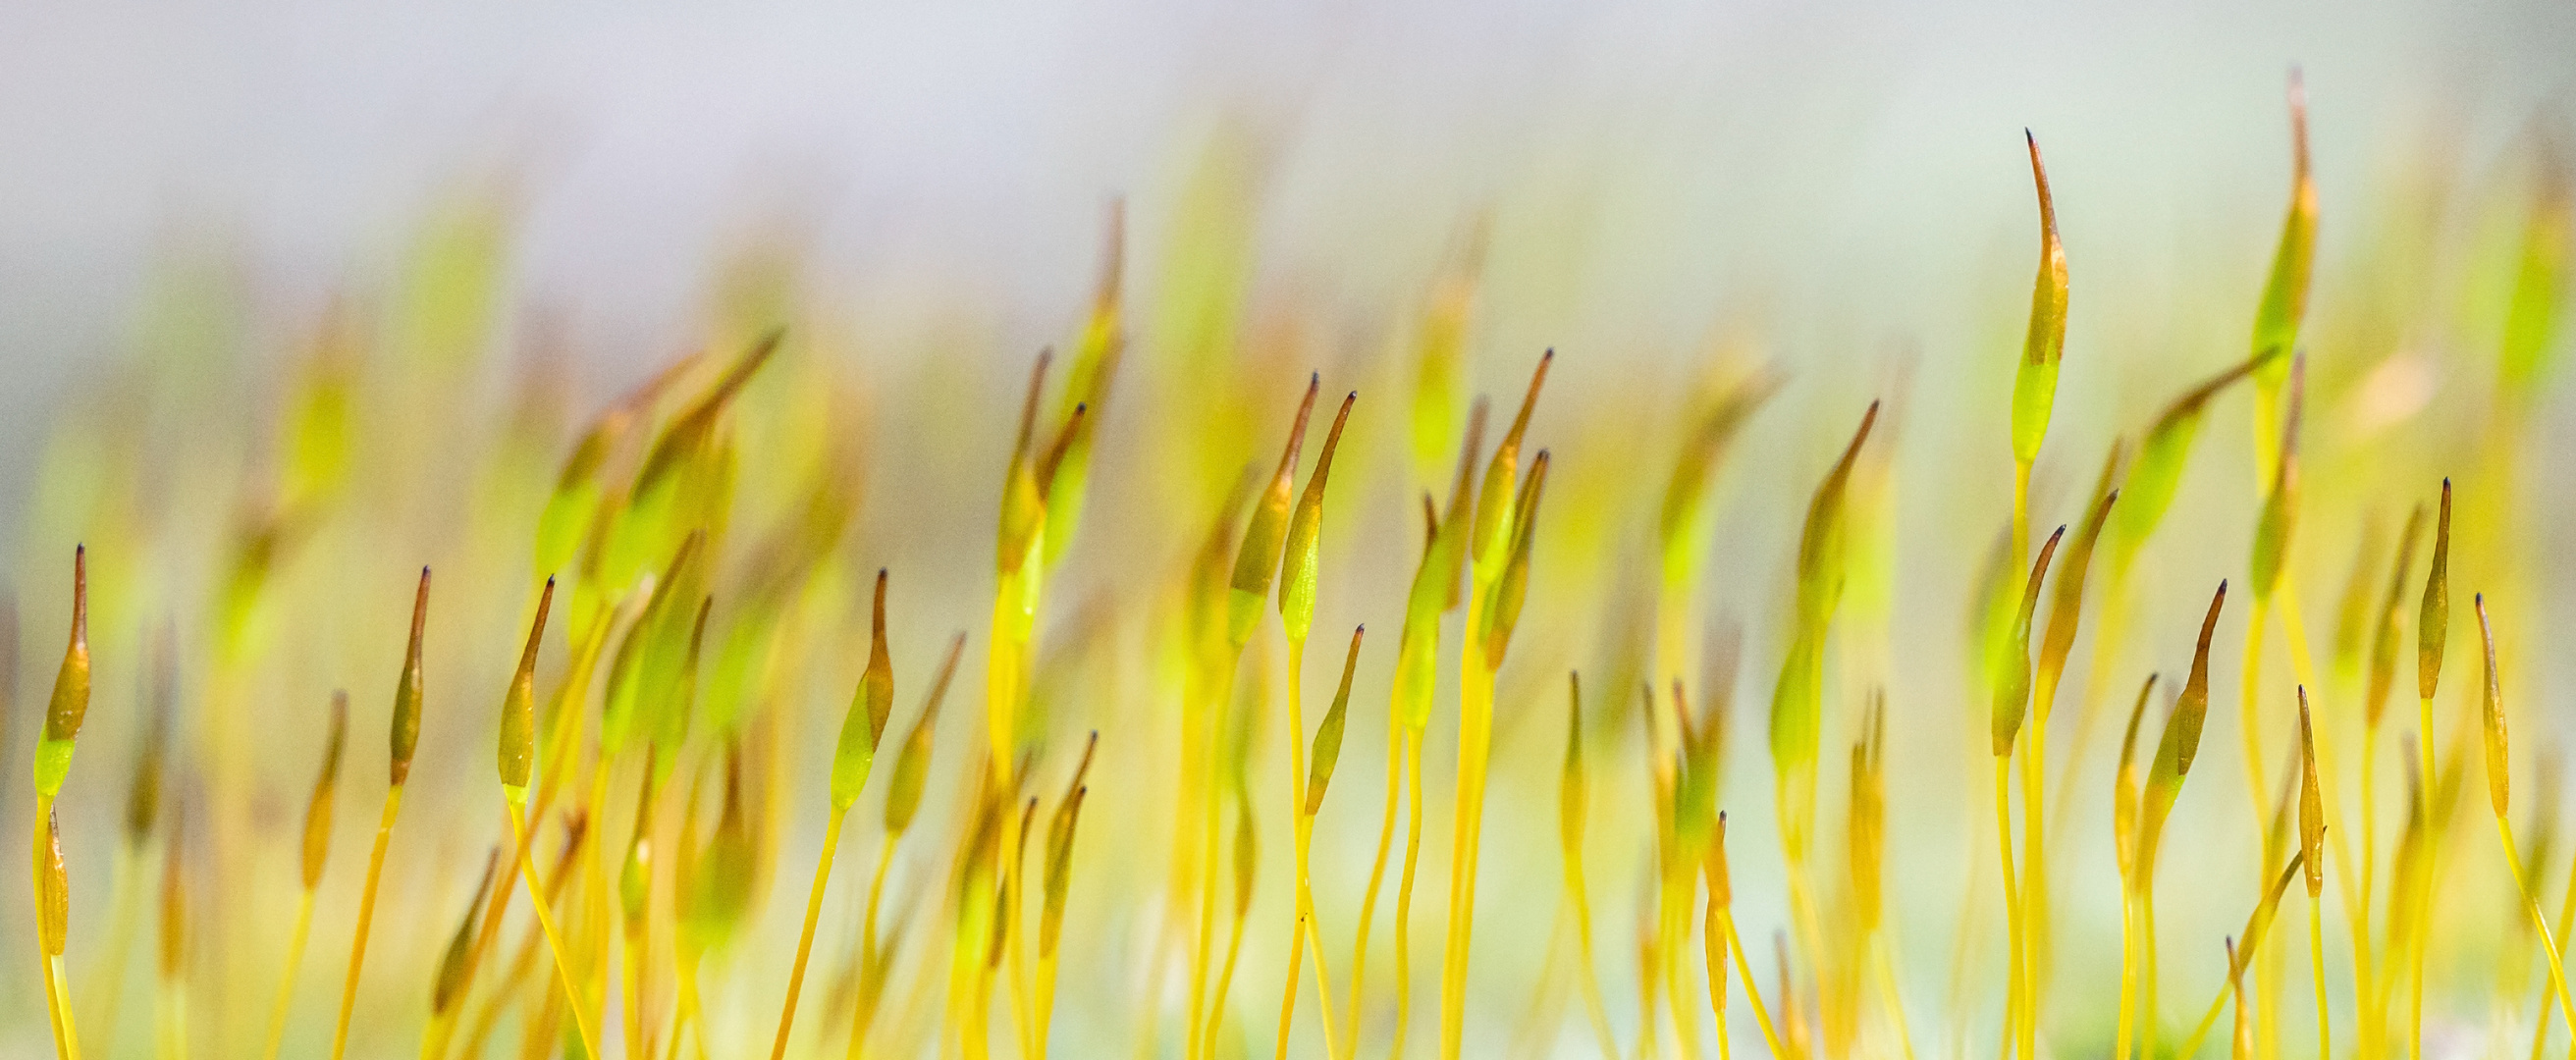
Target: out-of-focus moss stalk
x=1497, y=546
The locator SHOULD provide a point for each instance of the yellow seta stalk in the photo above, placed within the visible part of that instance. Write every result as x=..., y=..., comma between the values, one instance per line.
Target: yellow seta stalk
x=902, y=802
x=516, y=760
x=2011, y=709
x=1489, y=549
x=1256, y=565
x=2255, y=925
x=2034, y=399
x=1721, y=897
x=406, y=737
x=862, y=729
x=1395, y=756
x=2124, y=830
x=2499, y=791
x=50, y=887
x=447, y=989
x=316, y=849
x=1057, y=883
x=1299, y=569
x=2312, y=831
x=2380, y=683
x=1573, y=810
x=2432, y=631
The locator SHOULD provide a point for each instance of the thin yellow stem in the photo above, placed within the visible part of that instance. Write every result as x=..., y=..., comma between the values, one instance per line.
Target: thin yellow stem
x=286, y=980
x=2424, y=891
x=2128, y=974
x=1404, y=897
x=1581, y=908
x=1752, y=989
x=1224, y=984
x=58, y=998
x=2369, y=1018
x=366, y=920
x=1210, y=797
x=2539, y=922
x=1377, y=874
x=869, y=988
x=546, y=922
x=2317, y=965
x=2016, y=989
x=1475, y=738
x=805, y=939
x=2147, y=1020
x=2034, y=879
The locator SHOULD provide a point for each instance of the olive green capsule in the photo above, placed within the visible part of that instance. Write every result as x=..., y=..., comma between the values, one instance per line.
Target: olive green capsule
x=1497, y=501
x=2066, y=605
x=1298, y=566
x=2181, y=742
x=1256, y=560
x=1512, y=586
x=407, y=693
x=1796, y=700
x=2499, y=758
x=2161, y=456
x=912, y=764
x=864, y=726
x=454, y=963
x=2012, y=693
x=70, y=704
x=2386, y=633
x=2280, y=503
x=1023, y=522
x=1328, y=735
x=519, y=707
x=2044, y=346
x=2312, y=803
x=2433, y=621
x=2285, y=291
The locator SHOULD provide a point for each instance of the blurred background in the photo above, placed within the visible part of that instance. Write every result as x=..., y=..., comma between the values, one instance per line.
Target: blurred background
x=199, y=202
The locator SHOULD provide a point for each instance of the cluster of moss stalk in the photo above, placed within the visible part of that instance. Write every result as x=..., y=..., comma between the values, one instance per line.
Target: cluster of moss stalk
x=639, y=818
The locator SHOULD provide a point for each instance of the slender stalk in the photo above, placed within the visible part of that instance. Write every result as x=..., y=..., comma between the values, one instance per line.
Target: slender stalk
x=2034, y=879
x=286, y=979
x=2424, y=889
x=2566, y=914
x=2317, y=965
x=1395, y=742
x=1404, y=896
x=1752, y=989
x=805, y=939
x=1581, y=909
x=2128, y=974
x=869, y=989
x=2017, y=989
x=2539, y=922
x=546, y=922
x=1303, y=908
x=2147, y=986
x=1475, y=740
x=366, y=920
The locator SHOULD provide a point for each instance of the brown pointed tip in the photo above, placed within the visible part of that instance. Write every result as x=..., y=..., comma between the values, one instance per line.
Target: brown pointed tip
x=80, y=593
x=419, y=609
